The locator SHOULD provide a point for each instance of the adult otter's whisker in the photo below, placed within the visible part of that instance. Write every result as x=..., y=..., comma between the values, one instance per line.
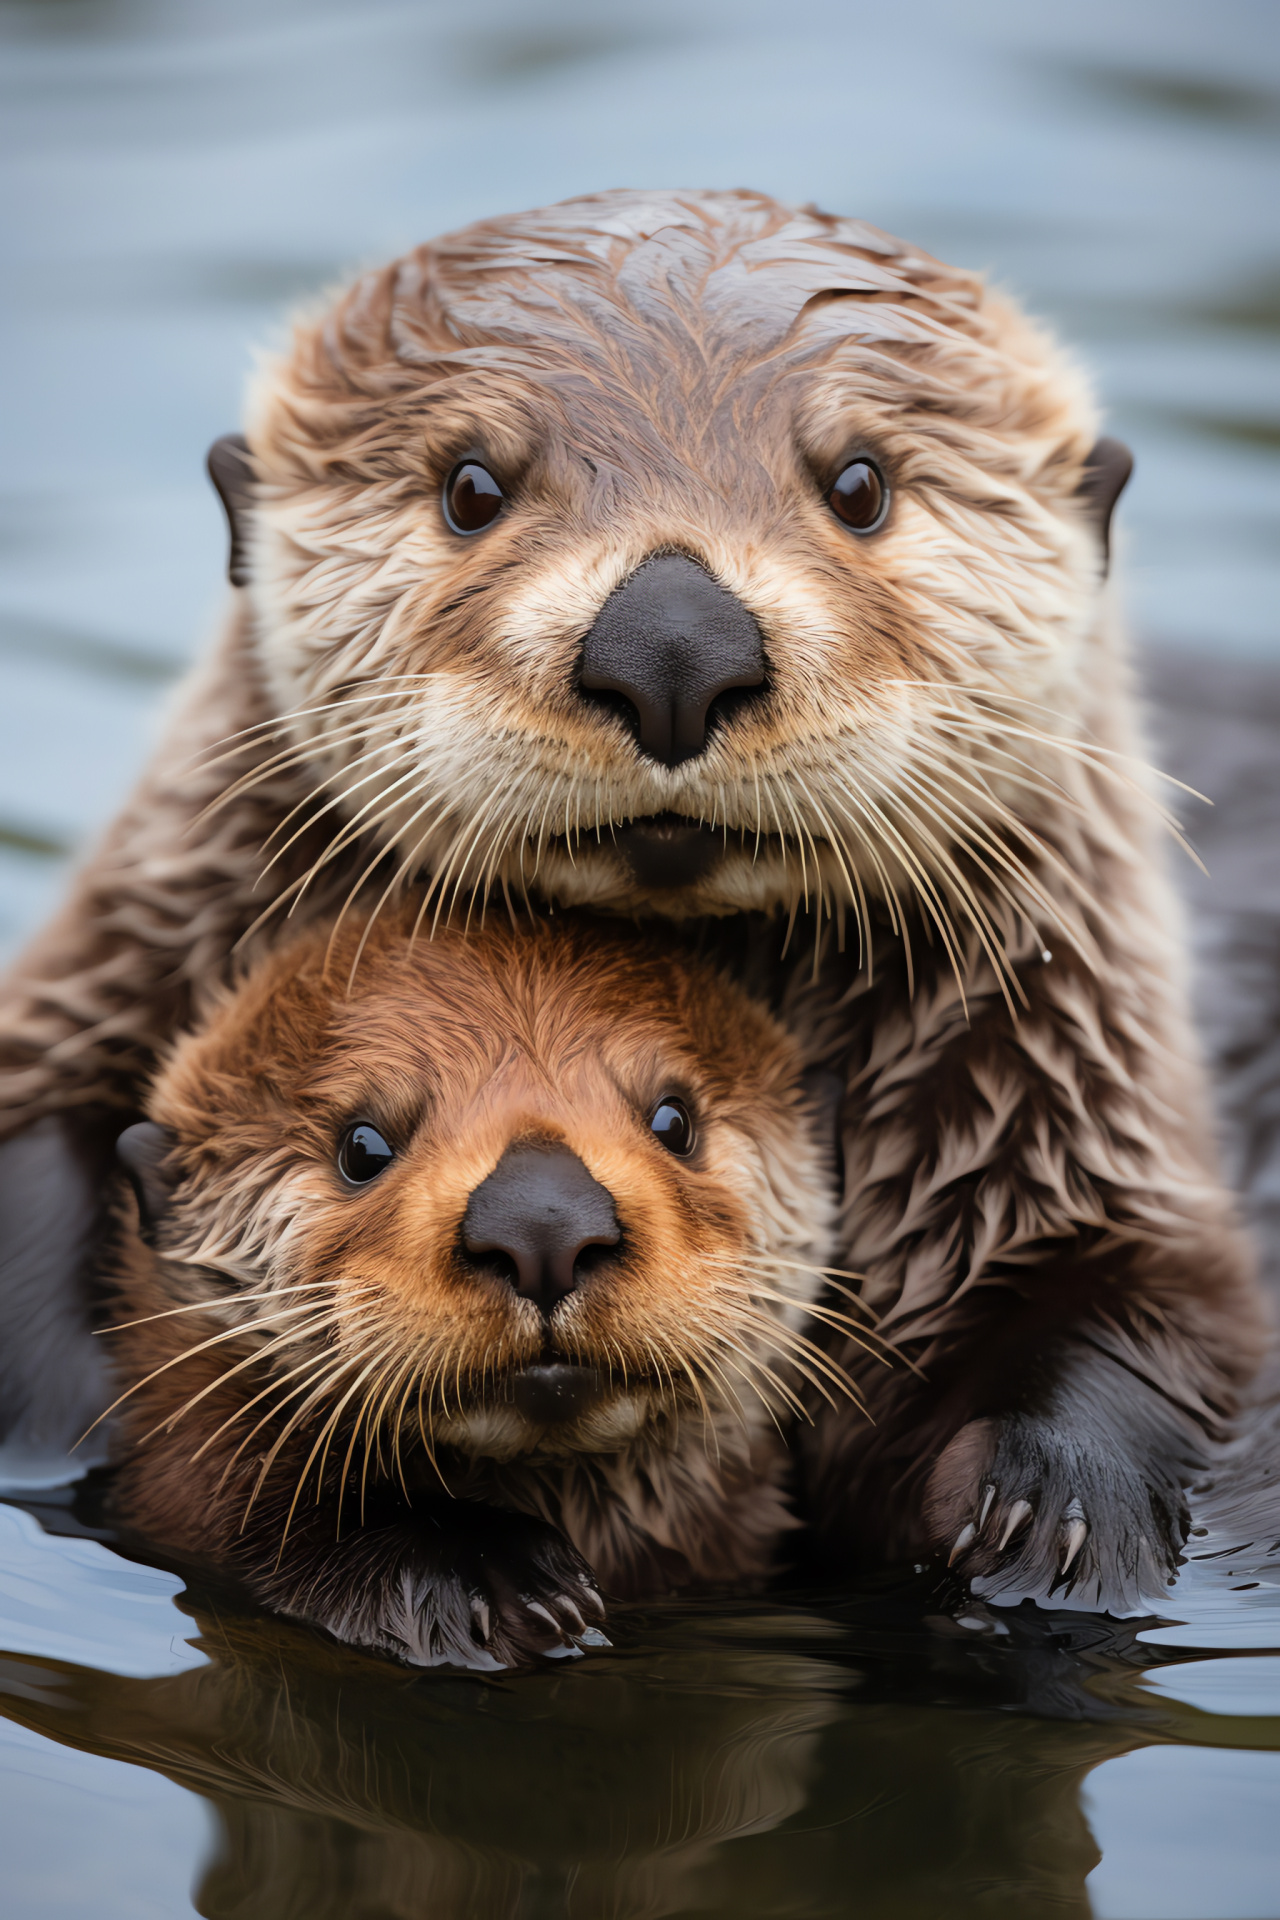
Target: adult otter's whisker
x=1109, y=762
x=398, y=877
x=298, y=754
x=988, y=938
x=354, y=825
x=926, y=890
x=848, y=869
x=389, y=688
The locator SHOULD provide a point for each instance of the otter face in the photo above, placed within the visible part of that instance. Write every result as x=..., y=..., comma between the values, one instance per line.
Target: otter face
x=684, y=552
x=507, y=1194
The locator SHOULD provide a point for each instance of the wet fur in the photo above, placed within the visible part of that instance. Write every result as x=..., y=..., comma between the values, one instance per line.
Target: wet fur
x=944, y=773
x=438, y=1523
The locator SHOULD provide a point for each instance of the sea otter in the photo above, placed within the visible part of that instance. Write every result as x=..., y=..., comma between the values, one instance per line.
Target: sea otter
x=693, y=557
x=467, y=1285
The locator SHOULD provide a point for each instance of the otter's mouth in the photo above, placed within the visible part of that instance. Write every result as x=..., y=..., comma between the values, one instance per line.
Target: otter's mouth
x=554, y=1394
x=667, y=852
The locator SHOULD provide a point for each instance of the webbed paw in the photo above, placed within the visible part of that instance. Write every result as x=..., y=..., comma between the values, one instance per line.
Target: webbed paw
x=1033, y=1507
x=465, y=1586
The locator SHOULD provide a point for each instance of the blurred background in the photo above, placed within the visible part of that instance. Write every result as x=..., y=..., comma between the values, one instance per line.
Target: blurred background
x=178, y=173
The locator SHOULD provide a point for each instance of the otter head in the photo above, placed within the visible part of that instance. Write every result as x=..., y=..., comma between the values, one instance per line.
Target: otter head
x=502, y=1195
x=679, y=552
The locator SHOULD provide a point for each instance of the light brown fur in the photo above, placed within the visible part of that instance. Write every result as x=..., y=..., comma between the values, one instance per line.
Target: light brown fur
x=942, y=775
x=647, y=374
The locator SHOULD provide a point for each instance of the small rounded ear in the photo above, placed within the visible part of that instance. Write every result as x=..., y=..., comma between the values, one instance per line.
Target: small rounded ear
x=824, y=1092
x=230, y=467
x=1105, y=472
x=143, y=1151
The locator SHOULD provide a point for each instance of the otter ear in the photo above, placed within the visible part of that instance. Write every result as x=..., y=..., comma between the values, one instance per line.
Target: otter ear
x=231, y=471
x=143, y=1151
x=824, y=1094
x=1105, y=472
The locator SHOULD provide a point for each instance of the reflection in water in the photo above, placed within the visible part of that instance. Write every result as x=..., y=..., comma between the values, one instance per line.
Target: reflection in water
x=898, y=1751
x=730, y=1767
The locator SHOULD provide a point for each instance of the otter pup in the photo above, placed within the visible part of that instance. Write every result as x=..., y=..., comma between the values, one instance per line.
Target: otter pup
x=683, y=555
x=472, y=1284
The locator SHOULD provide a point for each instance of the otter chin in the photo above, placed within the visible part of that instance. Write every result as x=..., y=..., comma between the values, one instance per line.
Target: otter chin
x=556, y=1394
x=469, y=1278
x=666, y=852
x=559, y=1408
x=553, y=1409
x=660, y=856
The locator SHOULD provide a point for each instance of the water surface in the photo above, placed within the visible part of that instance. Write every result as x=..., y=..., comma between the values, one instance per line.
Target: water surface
x=892, y=1751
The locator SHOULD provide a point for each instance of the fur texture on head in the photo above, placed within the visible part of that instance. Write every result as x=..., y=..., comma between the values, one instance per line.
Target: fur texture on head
x=683, y=373
x=356, y=1330
x=647, y=375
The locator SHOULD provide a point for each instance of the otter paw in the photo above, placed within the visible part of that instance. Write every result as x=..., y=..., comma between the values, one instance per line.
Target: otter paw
x=529, y=1594
x=1024, y=1509
x=476, y=1587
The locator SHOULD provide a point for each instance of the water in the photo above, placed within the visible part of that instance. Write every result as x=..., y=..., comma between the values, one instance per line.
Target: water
x=174, y=176
x=892, y=1752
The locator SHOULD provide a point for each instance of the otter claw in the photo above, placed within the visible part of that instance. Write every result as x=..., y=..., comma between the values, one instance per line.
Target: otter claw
x=480, y=1614
x=544, y=1613
x=1018, y=1516
x=965, y=1538
x=988, y=1496
x=577, y=1625
x=1075, y=1531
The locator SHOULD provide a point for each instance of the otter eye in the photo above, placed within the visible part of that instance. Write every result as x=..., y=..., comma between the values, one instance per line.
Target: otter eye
x=472, y=498
x=363, y=1154
x=672, y=1123
x=860, y=497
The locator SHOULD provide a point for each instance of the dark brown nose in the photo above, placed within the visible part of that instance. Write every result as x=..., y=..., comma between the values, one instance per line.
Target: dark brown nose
x=534, y=1220
x=666, y=646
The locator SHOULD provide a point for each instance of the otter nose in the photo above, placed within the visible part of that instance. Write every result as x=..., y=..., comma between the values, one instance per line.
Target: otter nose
x=536, y=1216
x=669, y=641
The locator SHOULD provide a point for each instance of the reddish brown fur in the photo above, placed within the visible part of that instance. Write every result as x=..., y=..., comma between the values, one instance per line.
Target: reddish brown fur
x=565, y=1034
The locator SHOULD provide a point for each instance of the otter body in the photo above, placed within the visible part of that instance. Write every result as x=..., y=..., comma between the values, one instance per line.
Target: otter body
x=472, y=1285
x=686, y=556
